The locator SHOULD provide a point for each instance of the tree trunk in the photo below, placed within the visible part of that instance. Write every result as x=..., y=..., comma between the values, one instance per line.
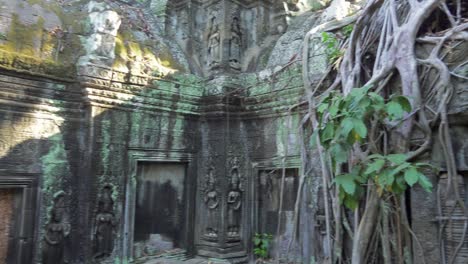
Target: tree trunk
x=366, y=227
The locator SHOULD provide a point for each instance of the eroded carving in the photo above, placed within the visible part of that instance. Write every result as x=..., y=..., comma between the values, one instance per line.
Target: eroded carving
x=105, y=224
x=211, y=199
x=214, y=44
x=53, y=251
x=234, y=200
x=100, y=44
x=235, y=44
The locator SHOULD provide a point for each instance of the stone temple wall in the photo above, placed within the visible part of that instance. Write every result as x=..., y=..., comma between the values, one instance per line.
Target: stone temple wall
x=79, y=118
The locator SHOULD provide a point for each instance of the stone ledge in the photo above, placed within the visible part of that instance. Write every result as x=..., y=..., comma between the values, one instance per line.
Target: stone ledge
x=36, y=66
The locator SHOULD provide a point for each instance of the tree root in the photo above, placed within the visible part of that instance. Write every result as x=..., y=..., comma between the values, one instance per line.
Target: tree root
x=394, y=28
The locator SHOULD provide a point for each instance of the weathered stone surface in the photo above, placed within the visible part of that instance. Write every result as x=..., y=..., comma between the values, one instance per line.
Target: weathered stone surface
x=6, y=221
x=93, y=93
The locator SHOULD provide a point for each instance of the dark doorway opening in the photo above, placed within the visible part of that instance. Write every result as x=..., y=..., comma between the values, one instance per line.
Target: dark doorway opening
x=160, y=208
x=269, y=201
x=9, y=201
x=17, y=219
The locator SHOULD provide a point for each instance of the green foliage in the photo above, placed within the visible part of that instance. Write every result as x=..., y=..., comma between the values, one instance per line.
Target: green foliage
x=332, y=47
x=347, y=30
x=390, y=173
x=344, y=122
x=262, y=245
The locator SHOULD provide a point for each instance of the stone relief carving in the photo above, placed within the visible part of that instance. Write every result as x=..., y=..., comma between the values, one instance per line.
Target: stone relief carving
x=184, y=33
x=105, y=224
x=214, y=44
x=100, y=44
x=53, y=251
x=235, y=44
x=211, y=199
x=234, y=200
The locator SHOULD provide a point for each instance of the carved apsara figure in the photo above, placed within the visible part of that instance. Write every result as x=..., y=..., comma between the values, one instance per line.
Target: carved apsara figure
x=235, y=44
x=53, y=251
x=214, y=43
x=211, y=200
x=234, y=201
x=105, y=224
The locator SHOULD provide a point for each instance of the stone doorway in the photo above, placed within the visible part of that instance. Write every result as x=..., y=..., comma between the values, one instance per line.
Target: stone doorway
x=17, y=220
x=160, y=209
x=7, y=221
x=269, y=202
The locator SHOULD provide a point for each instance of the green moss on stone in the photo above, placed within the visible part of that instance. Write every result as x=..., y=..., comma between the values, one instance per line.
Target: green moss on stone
x=30, y=48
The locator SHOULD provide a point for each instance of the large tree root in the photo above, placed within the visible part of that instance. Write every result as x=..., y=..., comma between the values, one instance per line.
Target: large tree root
x=389, y=30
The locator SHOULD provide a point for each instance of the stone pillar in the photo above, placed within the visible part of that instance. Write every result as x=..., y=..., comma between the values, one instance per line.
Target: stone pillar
x=221, y=203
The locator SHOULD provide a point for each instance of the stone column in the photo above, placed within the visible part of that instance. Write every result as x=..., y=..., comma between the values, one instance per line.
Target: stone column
x=222, y=188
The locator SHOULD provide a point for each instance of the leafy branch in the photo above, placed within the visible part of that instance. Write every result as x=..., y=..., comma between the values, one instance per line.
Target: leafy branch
x=262, y=245
x=343, y=123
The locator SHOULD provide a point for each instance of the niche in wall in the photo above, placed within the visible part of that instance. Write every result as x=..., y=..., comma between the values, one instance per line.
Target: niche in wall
x=269, y=199
x=17, y=219
x=160, y=208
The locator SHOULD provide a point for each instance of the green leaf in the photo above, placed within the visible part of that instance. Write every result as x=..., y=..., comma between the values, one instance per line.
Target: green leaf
x=313, y=140
x=361, y=179
x=425, y=183
x=411, y=176
x=394, y=110
x=346, y=126
x=377, y=98
x=375, y=166
x=342, y=195
x=375, y=156
x=333, y=111
x=322, y=108
x=400, y=167
x=339, y=153
x=358, y=93
x=399, y=186
x=378, y=102
x=346, y=181
x=347, y=30
x=329, y=132
x=257, y=241
x=364, y=103
x=351, y=203
x=386, y=178
x=404, y=103
x=397, y=159
x=325, y=36
x=360, y=128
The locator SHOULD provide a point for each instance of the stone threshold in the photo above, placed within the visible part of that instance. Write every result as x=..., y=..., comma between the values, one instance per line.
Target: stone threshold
x=178, y=256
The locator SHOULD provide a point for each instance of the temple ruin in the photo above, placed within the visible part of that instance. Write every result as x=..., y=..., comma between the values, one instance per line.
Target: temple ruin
x=145, y=131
